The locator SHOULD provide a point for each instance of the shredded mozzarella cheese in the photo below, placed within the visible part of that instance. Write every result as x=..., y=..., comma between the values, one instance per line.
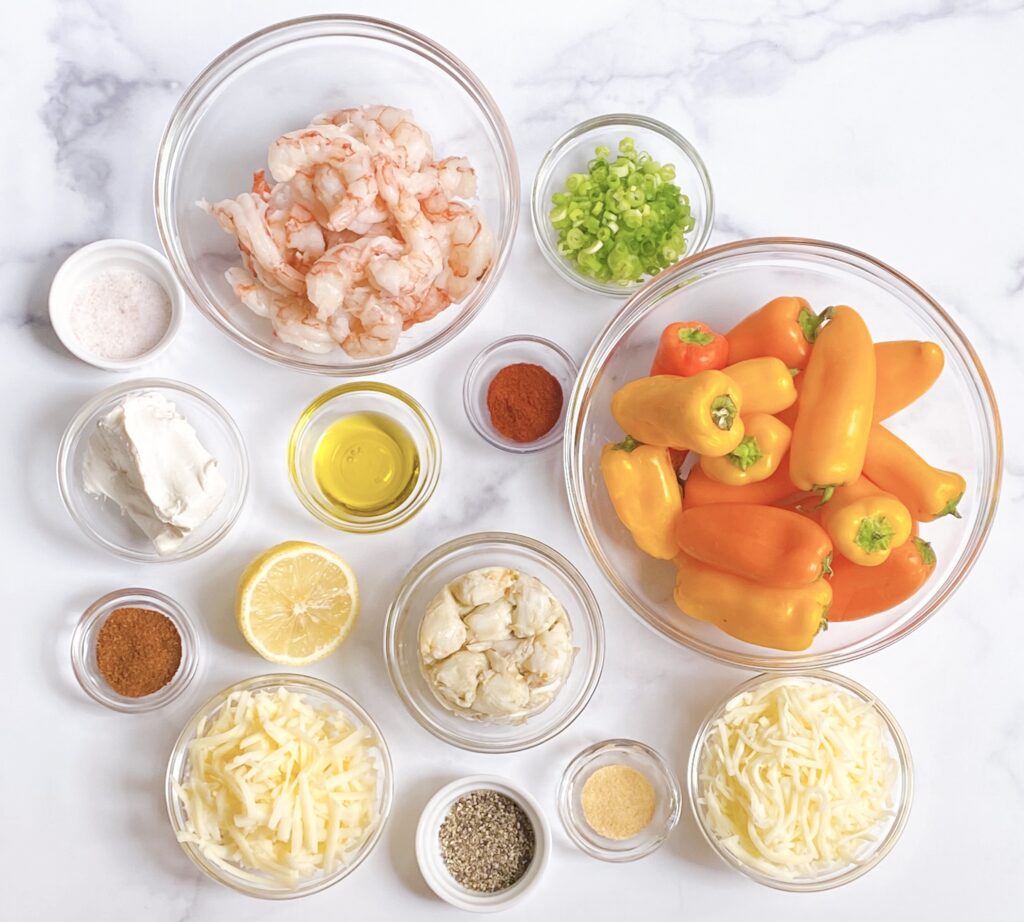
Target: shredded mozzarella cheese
x=797, y=778
x=278, y=786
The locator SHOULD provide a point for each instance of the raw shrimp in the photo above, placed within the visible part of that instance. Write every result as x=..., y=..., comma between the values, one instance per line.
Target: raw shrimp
x=294, y=321
x=246, y=218
x=362, y=233
x=374, y=323
x=343, y=268
x=471, y=255
x=300, y=151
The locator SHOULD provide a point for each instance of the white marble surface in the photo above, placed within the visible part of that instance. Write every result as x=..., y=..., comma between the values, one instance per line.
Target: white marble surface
x=894, y=127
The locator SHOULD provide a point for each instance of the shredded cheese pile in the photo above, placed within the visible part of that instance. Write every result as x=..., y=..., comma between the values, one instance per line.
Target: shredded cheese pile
x=797, y=778
x=278, y=786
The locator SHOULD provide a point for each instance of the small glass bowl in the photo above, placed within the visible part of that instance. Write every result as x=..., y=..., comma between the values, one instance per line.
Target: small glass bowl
x=888, y=836
x=362, y=397
x=573, y=151
x=509, y=351
x=102, y=519
x=649, y=763
x=320, y=693
x=452, y=560
x=83, y=650
x=428, y=853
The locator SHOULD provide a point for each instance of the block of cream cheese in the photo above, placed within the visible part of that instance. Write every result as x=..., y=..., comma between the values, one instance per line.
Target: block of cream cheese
x=147, y=458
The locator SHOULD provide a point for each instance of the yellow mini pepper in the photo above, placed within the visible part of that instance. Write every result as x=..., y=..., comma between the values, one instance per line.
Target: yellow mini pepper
x=928, y=492
x=865, y=523
x=766, y=383
x=756, y=458
x=642, y=486
x=769, y=616
x=837, y=398
x=700, y=413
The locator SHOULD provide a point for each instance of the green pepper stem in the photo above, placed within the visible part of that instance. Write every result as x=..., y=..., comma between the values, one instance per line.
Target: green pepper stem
x=810, y=323
x=874, y=534
x=695, y=336
x=627, y=444
x=826, y=566
x=746, y=454
x=950, y=508
x=723, y=411
x=926, y=552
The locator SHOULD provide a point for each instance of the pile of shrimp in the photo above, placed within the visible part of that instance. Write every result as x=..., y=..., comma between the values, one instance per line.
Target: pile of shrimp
x=361, y=235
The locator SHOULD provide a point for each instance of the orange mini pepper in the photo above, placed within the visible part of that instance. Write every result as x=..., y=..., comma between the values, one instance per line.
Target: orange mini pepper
x=771, y=546
x=756, y=458
x=904, y=370
x=644, y=491
x=766, y=382
x=928, y=492
x=701, y=490
x=837, y=399
x=768, y=616
x=865, y=523
x=688, y=347
x=700, y=412
x=861, y=591
x=784, y=327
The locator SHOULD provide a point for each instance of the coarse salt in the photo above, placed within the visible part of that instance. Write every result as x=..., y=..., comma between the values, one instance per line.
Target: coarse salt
x=120, y=314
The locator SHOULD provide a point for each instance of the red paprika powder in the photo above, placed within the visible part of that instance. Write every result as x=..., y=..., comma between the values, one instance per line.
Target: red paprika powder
x=525, y=401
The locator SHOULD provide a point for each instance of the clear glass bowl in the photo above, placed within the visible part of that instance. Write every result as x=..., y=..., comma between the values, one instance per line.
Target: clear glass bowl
x=575, y=149
x=888, y=835
x=275, y=81
x=362, y=397
x=102, y=520
x=720, y=287
x=83, y=650
x=513, y=349
x=452, y=560
x=645, y=760
x=321, y=694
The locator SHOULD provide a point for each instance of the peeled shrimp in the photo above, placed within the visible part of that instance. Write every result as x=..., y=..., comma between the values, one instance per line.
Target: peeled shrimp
x=362, y=235
x=300, y=151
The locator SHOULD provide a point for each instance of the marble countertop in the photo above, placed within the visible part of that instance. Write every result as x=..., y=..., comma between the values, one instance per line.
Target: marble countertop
x=893, y=127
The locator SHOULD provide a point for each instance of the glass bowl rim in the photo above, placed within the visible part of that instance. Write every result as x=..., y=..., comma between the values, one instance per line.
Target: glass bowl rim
x=75, y=429
x=554, y=154
x=592, y=618
x=191, y=648
x=584, y=758
x=882, y=847
x=276, y=35
x=430, y=473
x=258, y=683
x=556, y=433
x=651, y=294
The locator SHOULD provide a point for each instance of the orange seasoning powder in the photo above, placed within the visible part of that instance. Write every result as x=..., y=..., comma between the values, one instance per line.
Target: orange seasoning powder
x=138, y=651
x=525, y=402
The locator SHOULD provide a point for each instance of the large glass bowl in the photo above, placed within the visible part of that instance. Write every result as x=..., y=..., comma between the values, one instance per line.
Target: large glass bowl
x=323, y=696
x=873, y=852
x=955, y=426
x=276, y=80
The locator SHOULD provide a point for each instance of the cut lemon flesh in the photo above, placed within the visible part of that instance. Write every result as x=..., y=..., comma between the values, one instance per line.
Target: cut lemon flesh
x=296, y=603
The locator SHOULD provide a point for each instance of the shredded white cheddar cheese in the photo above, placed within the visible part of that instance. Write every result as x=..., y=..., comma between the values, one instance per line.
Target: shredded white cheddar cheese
x=797, y=778
x=277, y=788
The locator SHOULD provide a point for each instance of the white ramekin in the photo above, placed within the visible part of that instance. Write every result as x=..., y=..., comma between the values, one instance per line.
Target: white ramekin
x=428, y=852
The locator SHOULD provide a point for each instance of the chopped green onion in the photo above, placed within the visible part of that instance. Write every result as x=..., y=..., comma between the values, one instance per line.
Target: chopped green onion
x=624, y=218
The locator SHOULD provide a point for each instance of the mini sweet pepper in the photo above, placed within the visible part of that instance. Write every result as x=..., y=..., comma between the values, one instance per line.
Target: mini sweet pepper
x=700, y=413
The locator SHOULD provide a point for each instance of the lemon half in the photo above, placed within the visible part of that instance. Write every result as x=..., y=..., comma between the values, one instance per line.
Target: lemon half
x=296, y=603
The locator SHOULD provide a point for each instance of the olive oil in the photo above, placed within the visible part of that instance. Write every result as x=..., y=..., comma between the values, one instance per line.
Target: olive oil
x=366, y=463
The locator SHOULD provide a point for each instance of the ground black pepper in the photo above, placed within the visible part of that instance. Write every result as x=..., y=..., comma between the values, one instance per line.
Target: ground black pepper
x=487, y=841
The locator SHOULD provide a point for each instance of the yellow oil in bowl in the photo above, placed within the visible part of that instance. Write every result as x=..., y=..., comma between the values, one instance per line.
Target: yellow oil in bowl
x=366, y=464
